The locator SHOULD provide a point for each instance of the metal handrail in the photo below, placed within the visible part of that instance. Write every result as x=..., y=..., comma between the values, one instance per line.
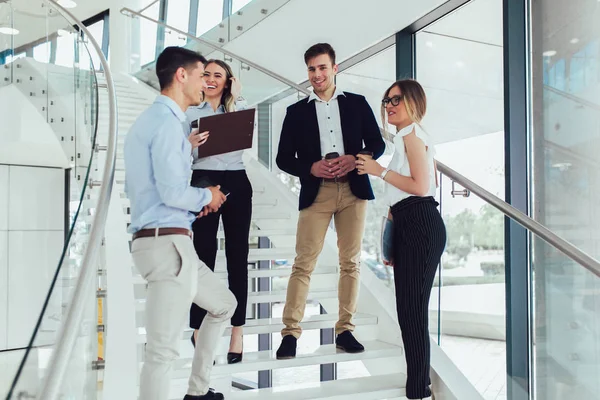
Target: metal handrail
x=215, y=47
x=590, y=263
x=148, y=6
x=572, y=97
x=70, y=328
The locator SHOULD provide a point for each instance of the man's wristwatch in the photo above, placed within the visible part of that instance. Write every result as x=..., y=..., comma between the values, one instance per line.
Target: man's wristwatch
x=384, y=173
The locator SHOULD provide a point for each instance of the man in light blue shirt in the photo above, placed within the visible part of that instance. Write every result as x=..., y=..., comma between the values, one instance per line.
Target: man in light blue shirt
x=157, y=181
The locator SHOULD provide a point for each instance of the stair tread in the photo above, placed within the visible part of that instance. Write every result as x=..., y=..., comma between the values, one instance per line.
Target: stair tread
x=273, y=325
x=266, y=360
x=268, y=297
x=285, y=271
x=369, y=388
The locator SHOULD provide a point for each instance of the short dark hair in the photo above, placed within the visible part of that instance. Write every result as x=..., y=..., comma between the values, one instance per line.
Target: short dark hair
x=171, y=59
x=318, y=49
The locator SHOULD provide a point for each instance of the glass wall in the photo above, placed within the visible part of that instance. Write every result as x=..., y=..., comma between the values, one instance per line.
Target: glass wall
x=459, y=62
x=371, y=78
x=178, y=16
x=566, y=191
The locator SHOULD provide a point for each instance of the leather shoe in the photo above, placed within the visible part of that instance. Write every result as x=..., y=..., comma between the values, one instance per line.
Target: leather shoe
x=287, y=349
x=211, y=395
x=347, y=342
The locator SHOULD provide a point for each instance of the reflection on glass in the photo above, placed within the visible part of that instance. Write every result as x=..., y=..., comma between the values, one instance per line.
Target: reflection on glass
x=566, y=188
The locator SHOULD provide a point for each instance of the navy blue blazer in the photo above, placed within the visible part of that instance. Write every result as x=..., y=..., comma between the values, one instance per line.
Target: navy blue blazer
x=300, y=144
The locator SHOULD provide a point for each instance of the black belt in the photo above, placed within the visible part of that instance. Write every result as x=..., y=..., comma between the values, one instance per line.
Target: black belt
x=161, y=232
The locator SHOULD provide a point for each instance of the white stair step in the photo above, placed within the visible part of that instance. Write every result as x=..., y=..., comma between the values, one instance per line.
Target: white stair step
x=266, y=232
x=266, y=297
x=266, y=360
x=274, y=325
x=280, y=272
x=366, y=388
x=255, y=255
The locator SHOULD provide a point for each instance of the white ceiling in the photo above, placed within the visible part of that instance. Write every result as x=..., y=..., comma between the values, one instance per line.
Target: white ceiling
x=478, y=20
x=30, y=17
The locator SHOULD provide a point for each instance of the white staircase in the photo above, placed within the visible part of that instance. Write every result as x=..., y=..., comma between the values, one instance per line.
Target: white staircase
x=275, y=216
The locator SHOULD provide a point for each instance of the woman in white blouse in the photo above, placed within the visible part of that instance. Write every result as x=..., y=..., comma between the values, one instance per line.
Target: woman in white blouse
x=419, y=231
x=222, y=95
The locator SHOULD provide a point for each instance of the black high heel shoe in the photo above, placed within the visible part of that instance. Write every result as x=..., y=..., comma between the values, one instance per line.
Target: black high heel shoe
x=234, y=358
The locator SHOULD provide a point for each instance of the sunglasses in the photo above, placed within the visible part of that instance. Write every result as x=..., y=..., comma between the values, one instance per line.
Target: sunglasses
x=394, y=100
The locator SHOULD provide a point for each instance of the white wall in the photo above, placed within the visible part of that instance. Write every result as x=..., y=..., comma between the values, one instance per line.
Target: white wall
x=33, y=237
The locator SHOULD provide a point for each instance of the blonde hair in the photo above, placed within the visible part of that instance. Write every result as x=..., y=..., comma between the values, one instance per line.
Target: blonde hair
x=414, y=100
x=227, y=100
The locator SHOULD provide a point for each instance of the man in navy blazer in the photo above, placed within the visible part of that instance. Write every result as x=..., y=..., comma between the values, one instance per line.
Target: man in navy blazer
x=320, y=139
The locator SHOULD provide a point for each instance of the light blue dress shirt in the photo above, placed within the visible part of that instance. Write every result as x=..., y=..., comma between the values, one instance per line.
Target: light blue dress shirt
x=157, y=169
x=222, y=162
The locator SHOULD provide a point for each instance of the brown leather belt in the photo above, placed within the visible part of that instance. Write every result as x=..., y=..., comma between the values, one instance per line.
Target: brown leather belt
x=342, y=179
x=161, y=232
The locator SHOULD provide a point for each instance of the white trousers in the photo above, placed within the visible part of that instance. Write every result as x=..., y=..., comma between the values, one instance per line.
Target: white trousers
x=176, y=277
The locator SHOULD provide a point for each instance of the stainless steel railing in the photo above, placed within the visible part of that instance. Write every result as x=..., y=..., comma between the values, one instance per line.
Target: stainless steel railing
x=70, y=328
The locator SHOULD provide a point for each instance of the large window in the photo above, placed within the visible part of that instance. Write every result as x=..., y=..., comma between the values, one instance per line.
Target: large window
x=460, y=66
x=148, y=34
x=178, y=16
x=210, y=13
x=566, y=187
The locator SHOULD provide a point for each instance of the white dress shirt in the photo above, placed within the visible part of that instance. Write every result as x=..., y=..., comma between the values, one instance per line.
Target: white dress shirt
x=330, y=125
x=157, y=170
x=401, y=165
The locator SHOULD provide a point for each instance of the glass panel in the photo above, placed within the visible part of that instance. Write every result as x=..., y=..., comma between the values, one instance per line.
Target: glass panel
x=467, y=305
x=41, y=52
x=65, y=95
x=371, y=78
x=65, y=49
x=97, y=30
x=461, y=69
x=237, y=4
x=566, y=189
x=254, y=12
x=210, y=13
x=6, y=45
x=145, y=43
x=178, y=16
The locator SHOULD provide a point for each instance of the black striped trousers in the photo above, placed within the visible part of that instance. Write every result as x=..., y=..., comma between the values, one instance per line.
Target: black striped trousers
x=419, y=241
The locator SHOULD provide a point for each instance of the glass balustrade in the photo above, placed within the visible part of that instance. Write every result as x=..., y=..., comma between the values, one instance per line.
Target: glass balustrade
x=55, y=83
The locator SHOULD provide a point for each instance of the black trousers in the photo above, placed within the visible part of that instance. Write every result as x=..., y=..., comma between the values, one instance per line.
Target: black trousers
x=419, y=241
x=236, y=213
